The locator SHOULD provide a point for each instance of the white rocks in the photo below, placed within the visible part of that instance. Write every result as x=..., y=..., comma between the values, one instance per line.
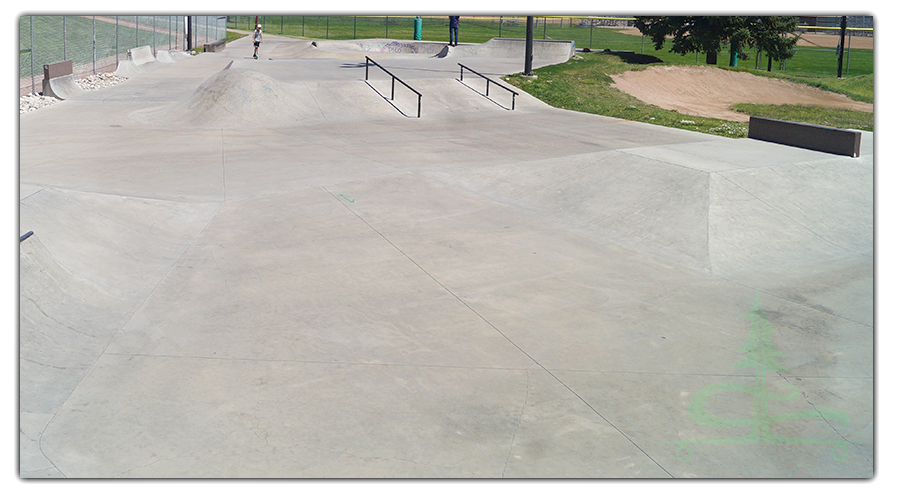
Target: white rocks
x=32, y=102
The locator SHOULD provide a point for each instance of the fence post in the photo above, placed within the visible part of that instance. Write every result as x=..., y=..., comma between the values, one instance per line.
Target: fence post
x=31, y=30
x=117, y=41
x=326, y=27
x=500, y=32
x=354, y=27
x=64, y=39
x=386, y=22
x=94, y=44
x=591, y=42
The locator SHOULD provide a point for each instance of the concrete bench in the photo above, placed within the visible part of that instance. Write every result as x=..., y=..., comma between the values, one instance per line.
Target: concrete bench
x=59, y=81
x=214, y=46
x=803, y=135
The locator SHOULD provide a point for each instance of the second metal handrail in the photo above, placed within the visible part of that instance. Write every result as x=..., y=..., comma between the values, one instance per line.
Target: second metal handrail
x=394, y=79
x=487, y=90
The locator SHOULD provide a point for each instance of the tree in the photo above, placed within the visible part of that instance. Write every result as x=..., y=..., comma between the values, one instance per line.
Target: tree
x=708, y=34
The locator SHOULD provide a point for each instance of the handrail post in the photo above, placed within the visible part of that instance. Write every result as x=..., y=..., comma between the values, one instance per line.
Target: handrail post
x=393, y=79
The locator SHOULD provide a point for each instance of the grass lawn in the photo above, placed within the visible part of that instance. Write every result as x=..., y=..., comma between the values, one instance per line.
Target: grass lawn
x=583, y=84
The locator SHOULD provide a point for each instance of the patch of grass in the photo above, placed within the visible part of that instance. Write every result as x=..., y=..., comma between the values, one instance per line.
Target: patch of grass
x=231, y=36
x=583, y=84
x=815, y=115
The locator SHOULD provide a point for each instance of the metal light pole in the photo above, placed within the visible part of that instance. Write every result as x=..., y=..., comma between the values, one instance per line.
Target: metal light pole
x=529, y=46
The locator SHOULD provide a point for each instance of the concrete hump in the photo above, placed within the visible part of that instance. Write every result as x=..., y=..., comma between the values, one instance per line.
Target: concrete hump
x=239, y=97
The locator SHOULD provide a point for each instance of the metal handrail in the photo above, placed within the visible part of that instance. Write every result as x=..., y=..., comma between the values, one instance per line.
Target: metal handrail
x=393, y=79
x=487, y=90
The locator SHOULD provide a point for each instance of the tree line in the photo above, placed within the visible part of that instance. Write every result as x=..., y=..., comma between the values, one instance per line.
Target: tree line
x=770, y=35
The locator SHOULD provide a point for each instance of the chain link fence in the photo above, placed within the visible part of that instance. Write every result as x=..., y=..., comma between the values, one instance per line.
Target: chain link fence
x=96, y=44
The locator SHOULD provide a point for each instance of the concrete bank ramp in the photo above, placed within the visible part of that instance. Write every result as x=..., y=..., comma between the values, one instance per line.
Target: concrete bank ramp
x=91, y=262
x=238, y=98
x=556, y=51
x=501, y=48
x=723, y=221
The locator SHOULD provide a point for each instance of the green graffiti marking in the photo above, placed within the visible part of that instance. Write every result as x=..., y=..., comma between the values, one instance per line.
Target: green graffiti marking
x=348, y=199
x=760, y=355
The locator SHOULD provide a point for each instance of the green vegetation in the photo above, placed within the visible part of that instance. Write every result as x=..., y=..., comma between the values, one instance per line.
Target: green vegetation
x=583, y=84
x=816, y=115
x=231, y=36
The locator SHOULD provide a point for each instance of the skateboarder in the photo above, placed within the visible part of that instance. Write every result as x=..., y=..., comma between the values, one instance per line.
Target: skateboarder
x=257, y=39
x=454, y=30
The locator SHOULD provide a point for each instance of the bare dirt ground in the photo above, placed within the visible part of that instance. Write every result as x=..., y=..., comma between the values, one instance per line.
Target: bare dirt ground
x=708, y=91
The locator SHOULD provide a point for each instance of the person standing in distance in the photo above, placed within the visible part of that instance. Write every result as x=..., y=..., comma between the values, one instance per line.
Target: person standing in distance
x=454, y=30
x=257, y=39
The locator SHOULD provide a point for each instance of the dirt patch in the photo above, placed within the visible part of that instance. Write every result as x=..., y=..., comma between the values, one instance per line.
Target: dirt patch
x=709, y=91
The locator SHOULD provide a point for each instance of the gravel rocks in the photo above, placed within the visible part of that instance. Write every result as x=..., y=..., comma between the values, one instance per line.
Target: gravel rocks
x=32, y=102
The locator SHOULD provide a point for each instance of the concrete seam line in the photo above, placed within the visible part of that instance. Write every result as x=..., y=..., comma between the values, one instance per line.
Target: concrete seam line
x=485, y=320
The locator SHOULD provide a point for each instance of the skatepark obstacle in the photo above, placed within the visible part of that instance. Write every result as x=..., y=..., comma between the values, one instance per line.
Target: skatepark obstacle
x=59, y=81
x=804, y=135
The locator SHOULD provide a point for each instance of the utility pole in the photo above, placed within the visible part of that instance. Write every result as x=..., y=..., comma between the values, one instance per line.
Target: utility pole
x=841, y=46
x=529, y=46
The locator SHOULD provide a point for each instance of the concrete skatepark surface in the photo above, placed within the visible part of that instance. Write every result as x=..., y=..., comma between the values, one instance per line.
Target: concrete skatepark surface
x=263, y=268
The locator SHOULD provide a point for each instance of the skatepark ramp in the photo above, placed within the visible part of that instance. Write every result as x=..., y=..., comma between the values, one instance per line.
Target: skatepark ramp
x=59, y=81
x=237, y=98
x=548, y=51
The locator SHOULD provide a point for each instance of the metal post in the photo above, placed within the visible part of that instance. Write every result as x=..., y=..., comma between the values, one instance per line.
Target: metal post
x=64, y=39
x=545, y=28
x=386, y=29
x=849, y=37
x=529, y=46
x=31, y=24
x=591, y=42
x=500, y=32
x=94, y=44
x=841, y=49
x=354, y=27
x=326, y=27
x=117, y=41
